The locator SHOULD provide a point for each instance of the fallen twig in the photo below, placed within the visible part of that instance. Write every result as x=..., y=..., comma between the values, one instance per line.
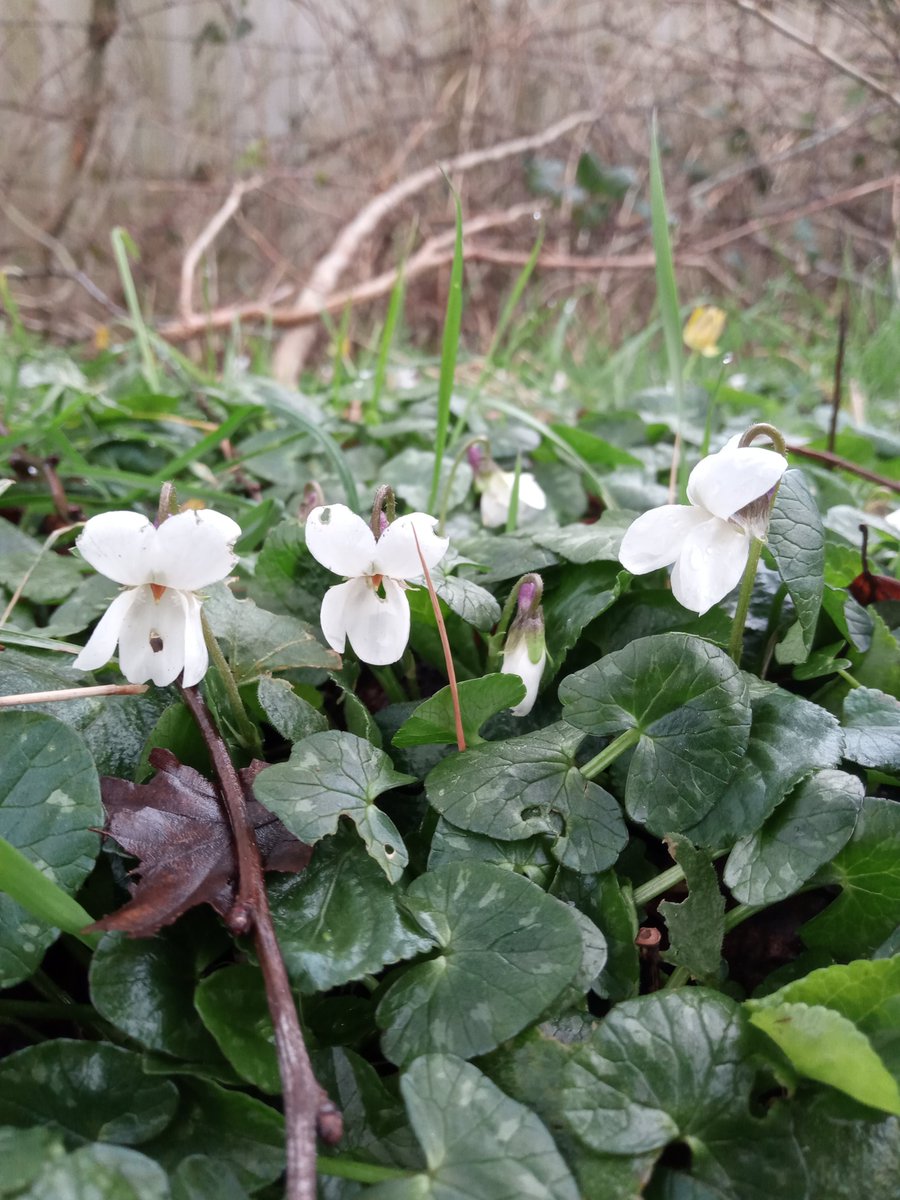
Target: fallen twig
x=205, y=239
x=76, y=693
x=834, y=460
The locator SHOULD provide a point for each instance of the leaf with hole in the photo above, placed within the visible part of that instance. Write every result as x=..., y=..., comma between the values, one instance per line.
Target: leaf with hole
x=332, y=775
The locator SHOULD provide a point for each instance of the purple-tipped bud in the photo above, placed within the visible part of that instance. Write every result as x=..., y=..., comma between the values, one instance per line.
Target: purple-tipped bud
x=476, y=456
x=383, y=523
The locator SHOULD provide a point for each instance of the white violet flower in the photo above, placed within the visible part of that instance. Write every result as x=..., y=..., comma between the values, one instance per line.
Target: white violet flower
x=709, y=539
x=525, y=651
x=370, y=610
x=156, y=620
x=496, y=488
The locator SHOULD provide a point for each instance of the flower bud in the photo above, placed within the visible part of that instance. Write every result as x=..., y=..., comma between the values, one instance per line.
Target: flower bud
x=525, y=651
x=703, y=329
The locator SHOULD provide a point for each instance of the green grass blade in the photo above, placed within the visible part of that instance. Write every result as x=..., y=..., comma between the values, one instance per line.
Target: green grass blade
x=512, y=302
x=450, y=345
x=371, y=412
x=40, y=896
x=666, y=287
x=121, y=244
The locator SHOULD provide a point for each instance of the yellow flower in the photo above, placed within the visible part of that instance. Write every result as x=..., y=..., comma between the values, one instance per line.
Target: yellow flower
x=703, y=329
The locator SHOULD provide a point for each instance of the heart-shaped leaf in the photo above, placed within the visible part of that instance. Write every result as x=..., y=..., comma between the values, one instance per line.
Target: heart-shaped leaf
x=531, y=785
x=478, y=1143
x=332, y=775
x=872, y=728
x=90, y=1091
x=789, y=739
x=687, y=705
x=805, y=832
x=49, y=810
x=506, y=951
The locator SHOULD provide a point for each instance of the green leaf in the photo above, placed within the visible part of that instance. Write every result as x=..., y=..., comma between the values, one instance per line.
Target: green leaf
x=872, y=729
x=866, y=993
x=529, y=856
x=825, y=1046
x=433, y=721
x=807, y=831
x=789, y=738
x=593, y=449
x=257, y=642
x=332, y=775
x=410, y=471
x=506, y=555
x=467, y=599
x=101, y=1173
x=579, y=598
x=506, y=951
x=598, y=542
x=797, y=542
x=24, y=1153
x=690, y=705
x=49, y=811
x=609, y=904
x=696, y=926
x=232, y=1005
x=478, y=1143
x=232, y=1129
x=847, y=1148
x=530, y=785
x=199, y=1177
x=287, y=578
x=338, y=920
x=664, y=1067
x=868, y=871
x=879, y=666
x=144, y=987
x=89, y=1091
x=293, y=717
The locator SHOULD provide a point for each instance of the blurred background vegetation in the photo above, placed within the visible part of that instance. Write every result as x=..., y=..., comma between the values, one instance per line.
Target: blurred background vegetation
x=235, y=141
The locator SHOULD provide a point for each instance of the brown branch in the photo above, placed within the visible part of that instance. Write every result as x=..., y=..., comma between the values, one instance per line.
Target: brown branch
x=77, y=693
x=292, y=350
x=304, y=1101
x=205, y=239
x=834, y=460
x=829, y=56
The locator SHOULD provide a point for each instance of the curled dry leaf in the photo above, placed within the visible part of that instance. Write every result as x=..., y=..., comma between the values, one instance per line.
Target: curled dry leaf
x=175, y=826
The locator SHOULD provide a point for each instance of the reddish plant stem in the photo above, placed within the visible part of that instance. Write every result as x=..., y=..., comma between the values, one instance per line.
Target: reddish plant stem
x=445, y=643
x=306, y=1107
x=834, y=460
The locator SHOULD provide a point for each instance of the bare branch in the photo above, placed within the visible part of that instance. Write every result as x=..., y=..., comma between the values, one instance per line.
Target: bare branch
x=205, y=239
x=292, y=350
x=829, y=56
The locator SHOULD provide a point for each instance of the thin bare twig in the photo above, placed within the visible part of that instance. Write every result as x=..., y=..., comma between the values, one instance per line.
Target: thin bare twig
x=290, y=354
x=77, y=693
x=829, y=56
x=205, y=239
x=834, y=460
x=304, y=1100
x=445, y=644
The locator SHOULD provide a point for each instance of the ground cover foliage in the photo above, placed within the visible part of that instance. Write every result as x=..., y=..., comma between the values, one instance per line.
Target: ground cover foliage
x=534, y=967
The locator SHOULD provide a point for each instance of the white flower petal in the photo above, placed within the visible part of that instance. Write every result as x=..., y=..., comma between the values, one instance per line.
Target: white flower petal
x=377, y=628
x=152, y=638
x=396, y=555
x=531, y=494
x=340, y=540
x=893, y=519
x=723, y=483
x=655, y=539
x=496, y=494
x=120, y=545
x=518, y=662
x=194, y=549
x=332, y=614
x=711, y=563
x=101, y=645
x=196, y=655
